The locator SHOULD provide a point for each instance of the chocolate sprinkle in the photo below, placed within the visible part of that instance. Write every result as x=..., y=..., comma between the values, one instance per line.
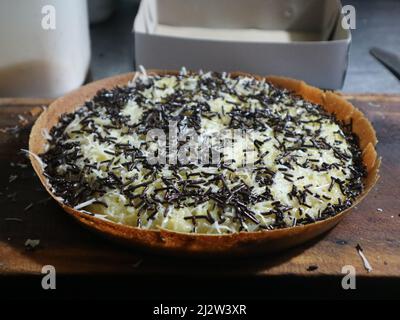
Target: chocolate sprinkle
x=188, y=184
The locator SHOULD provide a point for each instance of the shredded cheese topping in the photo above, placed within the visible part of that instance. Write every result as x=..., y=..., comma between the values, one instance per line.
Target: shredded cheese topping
x=283, y=161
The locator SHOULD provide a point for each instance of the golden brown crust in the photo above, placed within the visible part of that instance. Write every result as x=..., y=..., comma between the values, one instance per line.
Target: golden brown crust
x=203, y=244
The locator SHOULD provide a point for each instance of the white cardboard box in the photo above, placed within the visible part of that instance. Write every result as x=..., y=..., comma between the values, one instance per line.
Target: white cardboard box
x=302, y=39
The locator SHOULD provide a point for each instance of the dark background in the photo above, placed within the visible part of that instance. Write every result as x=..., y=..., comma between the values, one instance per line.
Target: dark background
x=378, y=24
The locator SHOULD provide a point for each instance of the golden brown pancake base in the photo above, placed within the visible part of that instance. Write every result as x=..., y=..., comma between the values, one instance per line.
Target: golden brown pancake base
x=241, y=243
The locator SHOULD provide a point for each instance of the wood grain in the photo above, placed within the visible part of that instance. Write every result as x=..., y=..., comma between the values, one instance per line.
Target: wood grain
x=74, y=250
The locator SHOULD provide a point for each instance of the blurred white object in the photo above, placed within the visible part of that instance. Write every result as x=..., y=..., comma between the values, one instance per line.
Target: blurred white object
x=298, y=39
x=44, y=47
x=100, y=10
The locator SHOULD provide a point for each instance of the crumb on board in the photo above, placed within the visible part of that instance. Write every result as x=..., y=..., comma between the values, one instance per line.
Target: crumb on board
x=19, y=165
x=12, y=178
x=364, y=259
x=22, y=120
x=13, y=219
x=137, y=263
x=13, y=130
x=12, y=196
x=28, y=207
x=312, y=267
x=44, y=201
x=36, y=111
x=375, y=105
x=31, y=244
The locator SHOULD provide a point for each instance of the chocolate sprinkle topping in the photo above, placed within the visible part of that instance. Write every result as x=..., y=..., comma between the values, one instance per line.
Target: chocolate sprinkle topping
x=99, y=155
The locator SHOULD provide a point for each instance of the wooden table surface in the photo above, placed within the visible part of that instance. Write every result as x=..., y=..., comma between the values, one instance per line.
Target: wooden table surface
x=27, y=213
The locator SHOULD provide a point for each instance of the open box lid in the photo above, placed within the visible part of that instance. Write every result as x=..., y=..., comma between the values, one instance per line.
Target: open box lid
x=300, y=39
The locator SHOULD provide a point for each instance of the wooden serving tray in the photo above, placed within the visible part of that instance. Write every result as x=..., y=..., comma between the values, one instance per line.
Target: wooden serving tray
x=27, y=213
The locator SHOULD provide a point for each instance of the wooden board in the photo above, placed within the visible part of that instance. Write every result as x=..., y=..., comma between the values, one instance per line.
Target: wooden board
x=375, y=224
